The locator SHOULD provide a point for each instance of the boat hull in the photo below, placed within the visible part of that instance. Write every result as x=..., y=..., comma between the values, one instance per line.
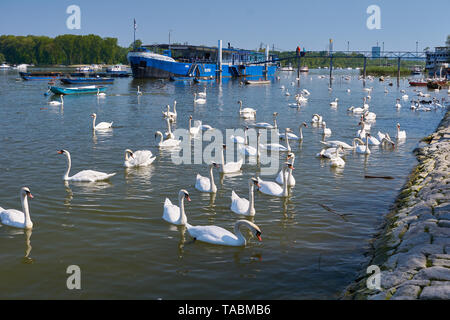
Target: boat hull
x=144, y=67
x=79, y=90
x=87, y=80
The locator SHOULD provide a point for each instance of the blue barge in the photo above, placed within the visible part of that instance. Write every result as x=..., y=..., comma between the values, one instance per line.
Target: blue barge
x=201, y=62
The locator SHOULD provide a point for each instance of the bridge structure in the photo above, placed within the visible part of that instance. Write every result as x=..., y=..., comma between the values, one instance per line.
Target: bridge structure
x=396, y=55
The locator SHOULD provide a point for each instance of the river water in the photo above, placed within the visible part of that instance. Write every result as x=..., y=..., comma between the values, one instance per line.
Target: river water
x=114, y=232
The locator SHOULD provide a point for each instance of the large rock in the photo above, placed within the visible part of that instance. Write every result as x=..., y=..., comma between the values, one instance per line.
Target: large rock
x=406, y=292
x=435, y=293
x=433, y=273
x=392, y=279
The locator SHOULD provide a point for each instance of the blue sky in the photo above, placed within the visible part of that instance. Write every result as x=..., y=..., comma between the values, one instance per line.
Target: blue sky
x=244, y=23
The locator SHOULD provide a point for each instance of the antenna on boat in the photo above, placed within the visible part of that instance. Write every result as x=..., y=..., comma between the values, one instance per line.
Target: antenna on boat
x=134, y=38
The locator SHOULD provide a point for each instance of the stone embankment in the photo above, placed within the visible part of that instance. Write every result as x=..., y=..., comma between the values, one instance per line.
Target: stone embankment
x=413, y=248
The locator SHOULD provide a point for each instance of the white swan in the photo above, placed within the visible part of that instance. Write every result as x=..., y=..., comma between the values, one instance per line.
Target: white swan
x=101, y=125
x=240, y=139
x=363, y=148
x=334, y=103
x=336, y=160
x=100, y=94
x=272, y=188
x=398, y=105
x=221, y=236
x=85, y=175
x=277, y=146
x=138, y=158
x=168, y=143
x=202, y=94
x=248, y=150
x=15, y=218
x=139, y=93
x=57, y=103
x=369, y=116
x=246, y=113
x=231, y=166
x=243, y=206
x=205, y=184
x=291, y=180
x=316, y=119
x=194, y=130
x=168, y=133
x=170, y=114
x=326, y=131
x=175, y=214
x=293, y=136
x=199, y=100
x=401, y=134
x=265, y=125
x=329, y=152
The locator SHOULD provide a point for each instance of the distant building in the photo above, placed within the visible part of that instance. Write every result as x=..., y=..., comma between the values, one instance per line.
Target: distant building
x=376, y=52
x=438, y=59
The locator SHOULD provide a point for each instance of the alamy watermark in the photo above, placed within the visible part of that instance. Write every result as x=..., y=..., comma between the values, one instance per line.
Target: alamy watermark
x=374, y=280
x=74, y=280
x=374, y=20
x=74, y=20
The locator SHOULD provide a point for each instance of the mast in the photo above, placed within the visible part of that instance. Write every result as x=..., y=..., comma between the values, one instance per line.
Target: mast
x=134, y=37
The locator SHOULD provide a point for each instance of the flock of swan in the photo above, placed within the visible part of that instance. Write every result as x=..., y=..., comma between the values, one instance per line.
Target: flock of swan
x=284, y=181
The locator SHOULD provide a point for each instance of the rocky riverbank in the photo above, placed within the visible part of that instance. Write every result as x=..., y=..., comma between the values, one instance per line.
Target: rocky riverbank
x=413, y=248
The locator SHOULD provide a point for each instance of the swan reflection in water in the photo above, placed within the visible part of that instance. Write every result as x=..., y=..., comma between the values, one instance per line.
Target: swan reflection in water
x=138, y=173
x=26, y=259
x=104, y=133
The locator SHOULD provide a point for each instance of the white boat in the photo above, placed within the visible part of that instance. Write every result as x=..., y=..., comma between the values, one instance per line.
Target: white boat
x=4, y=66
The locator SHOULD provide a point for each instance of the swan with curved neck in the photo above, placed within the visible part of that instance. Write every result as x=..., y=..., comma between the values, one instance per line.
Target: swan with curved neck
x=85, y=175
x=363, y=148
x=169, y=133
x=15, y=218
x=168, y=143
x=139, y=93
x=199, y=100
x=220, y=236
x=272, y=188
x=175, y=214
x=57, y=103
x=246, y=113
x=280, y=177
x=326, y=131
x=138, y=158
x=277, y=146
x=194, y=130
x=401, y=134
x=205, y=184
x=169, y=114
x=243, y=206
x=101, y=125
x=265, y=125
x=293, y=136
x=230, y=166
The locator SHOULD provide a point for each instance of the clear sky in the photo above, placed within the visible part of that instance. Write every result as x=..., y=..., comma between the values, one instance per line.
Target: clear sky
x=244, y=23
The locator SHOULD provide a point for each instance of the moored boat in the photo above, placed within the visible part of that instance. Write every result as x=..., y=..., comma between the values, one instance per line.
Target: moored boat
x=76, y=80
x=77, y=90
x=41, y=75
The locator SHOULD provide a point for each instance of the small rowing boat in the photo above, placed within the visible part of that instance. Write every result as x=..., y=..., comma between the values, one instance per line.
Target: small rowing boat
x=77, y=90
x=257, y=81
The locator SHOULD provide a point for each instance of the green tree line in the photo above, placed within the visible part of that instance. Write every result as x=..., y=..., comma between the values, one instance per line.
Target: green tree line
x=64, y=49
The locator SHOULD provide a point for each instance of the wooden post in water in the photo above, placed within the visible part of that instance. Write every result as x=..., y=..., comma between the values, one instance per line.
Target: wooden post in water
x=398, y=72
x=219, y=61
x=331, y=68
x=364, y=71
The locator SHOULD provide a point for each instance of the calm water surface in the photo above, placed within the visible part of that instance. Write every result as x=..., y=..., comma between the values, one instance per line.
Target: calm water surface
x=114, y=230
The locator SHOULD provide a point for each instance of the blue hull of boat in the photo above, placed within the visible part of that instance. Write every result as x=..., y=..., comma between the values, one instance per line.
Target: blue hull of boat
x=87, y=80
x=143, y=67
x=80, y=90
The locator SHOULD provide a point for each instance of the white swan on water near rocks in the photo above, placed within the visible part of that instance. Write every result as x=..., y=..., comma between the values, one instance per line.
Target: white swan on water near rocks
x=220, y=236
x=15, y=218
x=243, y=206
x=85, y=175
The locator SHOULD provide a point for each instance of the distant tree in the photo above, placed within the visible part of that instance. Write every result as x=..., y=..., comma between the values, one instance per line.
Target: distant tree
x=447, y=43
x=138, y=44
x=2, y=57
